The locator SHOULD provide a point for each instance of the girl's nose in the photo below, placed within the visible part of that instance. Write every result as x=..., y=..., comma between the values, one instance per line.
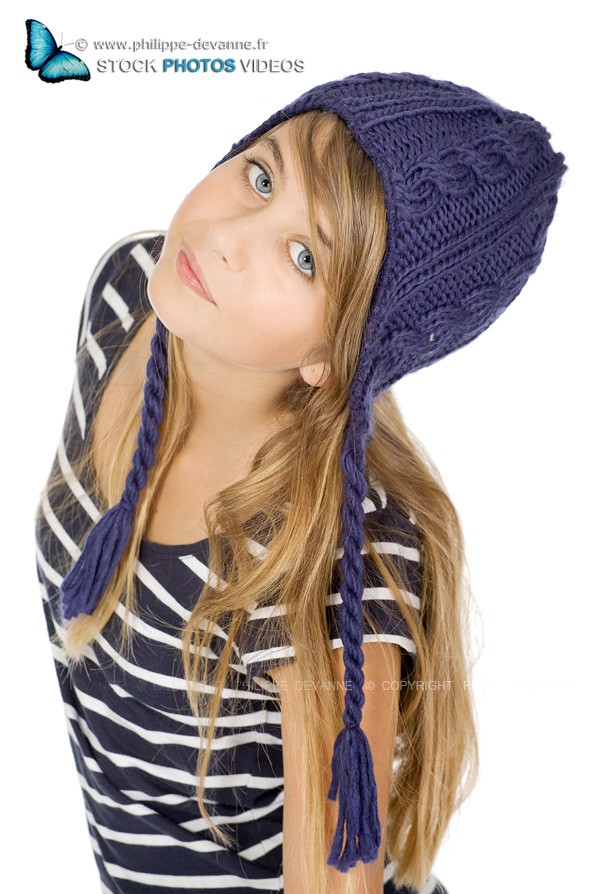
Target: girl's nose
x=237, y=241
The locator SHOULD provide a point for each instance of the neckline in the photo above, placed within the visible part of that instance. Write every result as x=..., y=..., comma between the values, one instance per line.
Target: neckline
x=174, y=548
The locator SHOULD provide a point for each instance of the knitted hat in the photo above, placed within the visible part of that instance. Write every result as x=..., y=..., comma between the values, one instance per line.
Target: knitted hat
x=470, y=190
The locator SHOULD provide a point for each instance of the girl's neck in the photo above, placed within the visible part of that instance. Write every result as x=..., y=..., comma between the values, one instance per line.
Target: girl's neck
x=234, y=408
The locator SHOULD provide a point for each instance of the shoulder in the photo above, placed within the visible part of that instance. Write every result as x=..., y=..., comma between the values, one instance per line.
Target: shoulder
x=116, y=286
x=397, y=540
x=386, y=518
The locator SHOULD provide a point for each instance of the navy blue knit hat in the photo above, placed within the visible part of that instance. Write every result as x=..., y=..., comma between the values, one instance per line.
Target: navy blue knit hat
x=470, y=190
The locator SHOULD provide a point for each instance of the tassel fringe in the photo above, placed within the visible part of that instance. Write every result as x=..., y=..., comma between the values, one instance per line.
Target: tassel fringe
x=84, y=585
x=354, y=781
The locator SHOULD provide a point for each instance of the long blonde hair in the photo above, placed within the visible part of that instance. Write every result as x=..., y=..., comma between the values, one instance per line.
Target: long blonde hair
x=291, y=499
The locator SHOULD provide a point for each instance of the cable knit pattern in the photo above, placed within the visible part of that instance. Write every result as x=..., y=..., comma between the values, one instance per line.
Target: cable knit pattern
x=470, y=190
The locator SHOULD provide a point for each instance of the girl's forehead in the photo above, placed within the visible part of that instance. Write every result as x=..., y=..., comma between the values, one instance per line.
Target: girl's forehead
x=289, y=132
x=282, y=133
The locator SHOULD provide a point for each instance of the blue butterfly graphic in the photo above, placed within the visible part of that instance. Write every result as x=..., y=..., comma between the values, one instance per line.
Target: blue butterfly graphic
x=53, y=62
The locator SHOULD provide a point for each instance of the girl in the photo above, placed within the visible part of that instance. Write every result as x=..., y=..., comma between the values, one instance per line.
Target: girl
x=252, y=575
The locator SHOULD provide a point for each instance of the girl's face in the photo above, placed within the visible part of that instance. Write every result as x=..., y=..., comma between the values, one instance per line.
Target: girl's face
x=241, y=237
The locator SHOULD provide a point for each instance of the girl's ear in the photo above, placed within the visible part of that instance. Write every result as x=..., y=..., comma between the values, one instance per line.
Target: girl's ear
x=316, y=374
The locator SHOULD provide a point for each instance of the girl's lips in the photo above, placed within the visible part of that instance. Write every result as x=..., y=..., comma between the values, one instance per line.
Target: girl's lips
x=189, y=275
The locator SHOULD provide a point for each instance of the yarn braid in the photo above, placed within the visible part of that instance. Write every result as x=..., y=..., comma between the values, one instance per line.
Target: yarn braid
x=353, y=780
x=84, y=585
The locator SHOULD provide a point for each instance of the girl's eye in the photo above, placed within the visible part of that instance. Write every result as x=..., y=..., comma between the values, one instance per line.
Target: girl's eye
x=302, y=258
x=260, y=180
x=258, y=177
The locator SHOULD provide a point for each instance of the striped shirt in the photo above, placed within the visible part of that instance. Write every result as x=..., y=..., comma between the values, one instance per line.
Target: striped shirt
x=133, y=735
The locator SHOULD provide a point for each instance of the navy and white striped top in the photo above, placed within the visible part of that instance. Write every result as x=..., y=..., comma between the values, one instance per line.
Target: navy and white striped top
x=133, y=736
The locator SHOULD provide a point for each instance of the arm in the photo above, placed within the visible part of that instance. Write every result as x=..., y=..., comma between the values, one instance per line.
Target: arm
x=379, y=723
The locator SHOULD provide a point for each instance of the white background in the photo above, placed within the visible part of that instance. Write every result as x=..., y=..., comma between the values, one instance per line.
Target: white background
x=508, y=419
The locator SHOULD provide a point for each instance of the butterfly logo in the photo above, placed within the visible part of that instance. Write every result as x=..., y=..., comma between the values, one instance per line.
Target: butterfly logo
x=54, y=63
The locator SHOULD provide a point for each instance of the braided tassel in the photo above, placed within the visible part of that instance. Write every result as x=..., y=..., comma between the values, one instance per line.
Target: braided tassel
x=353, y=779
x=353, y=776
x=85, y=583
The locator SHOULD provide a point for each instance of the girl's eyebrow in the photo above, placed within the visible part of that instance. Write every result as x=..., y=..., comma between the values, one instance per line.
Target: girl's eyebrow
x=324, y=238
x=273, y=146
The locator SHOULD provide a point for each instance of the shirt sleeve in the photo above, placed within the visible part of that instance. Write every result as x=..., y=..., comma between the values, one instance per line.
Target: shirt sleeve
x=115, y=302
x=115, y=290
x=394, y=533
x=115, y=305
